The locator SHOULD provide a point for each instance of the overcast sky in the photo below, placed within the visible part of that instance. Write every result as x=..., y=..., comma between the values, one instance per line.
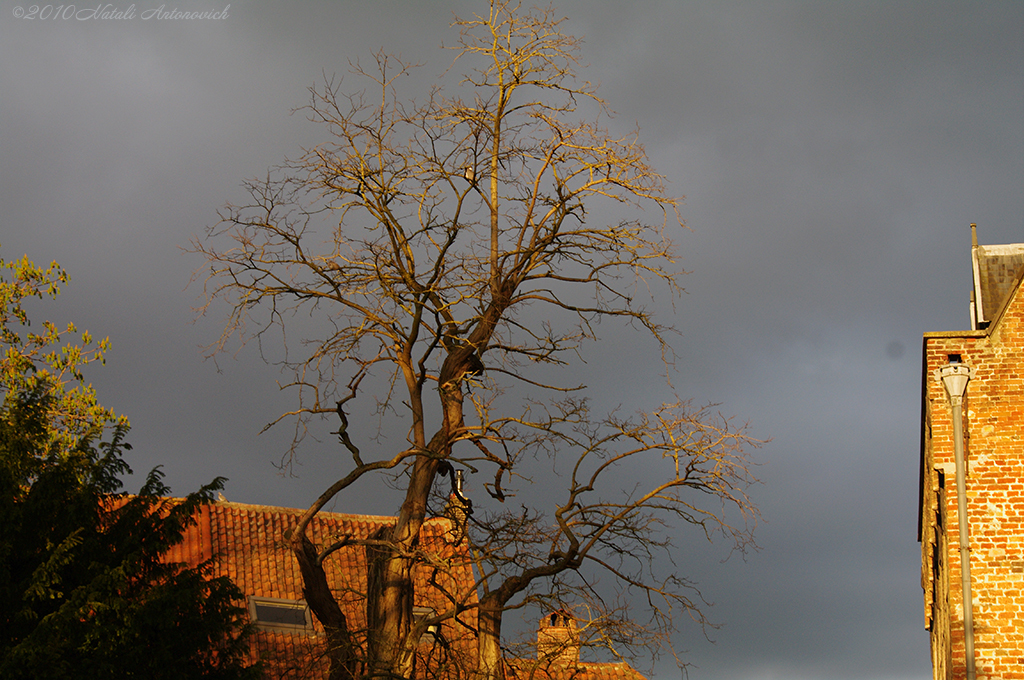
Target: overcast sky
x=832, y=155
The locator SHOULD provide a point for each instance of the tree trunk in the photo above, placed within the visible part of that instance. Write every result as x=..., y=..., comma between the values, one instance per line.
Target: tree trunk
x=342, y=652
x=390, y=589
x=489, y=641
x=389, y=601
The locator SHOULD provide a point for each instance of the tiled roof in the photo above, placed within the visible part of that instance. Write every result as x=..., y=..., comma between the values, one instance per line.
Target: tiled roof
x=249, y=546
x=580, y=670
x=248, y=542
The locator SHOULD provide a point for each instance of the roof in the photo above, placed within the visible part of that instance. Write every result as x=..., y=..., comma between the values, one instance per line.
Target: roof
x=997, y=272
x=579, y=670
x=249, y=546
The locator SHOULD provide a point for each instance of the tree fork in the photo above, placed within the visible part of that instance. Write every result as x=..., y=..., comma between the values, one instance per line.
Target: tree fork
x=390, y=588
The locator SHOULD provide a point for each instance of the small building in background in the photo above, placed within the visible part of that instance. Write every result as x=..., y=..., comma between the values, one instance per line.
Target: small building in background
x=992, y=417
x=248, y=544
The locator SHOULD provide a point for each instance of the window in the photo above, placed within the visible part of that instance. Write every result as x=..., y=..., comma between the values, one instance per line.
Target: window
x=282, y=616
x=433, y=632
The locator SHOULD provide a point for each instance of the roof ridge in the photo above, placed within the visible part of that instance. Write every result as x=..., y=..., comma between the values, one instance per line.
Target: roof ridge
x=277, y=509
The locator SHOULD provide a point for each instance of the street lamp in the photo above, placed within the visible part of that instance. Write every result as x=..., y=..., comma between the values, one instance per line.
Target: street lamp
x=954, y=376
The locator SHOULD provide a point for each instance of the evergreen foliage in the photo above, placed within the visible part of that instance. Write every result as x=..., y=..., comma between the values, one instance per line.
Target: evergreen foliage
x=85, y=590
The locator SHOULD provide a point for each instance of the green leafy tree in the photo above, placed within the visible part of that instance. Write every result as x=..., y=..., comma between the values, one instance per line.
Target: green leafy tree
x=84, y=591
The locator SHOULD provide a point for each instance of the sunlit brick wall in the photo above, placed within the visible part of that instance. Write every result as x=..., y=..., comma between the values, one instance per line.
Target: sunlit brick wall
x=994, y=448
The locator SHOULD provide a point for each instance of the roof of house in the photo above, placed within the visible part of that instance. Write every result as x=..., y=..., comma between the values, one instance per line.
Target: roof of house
x=250, y=547
x=580, y=670
x=997, y=273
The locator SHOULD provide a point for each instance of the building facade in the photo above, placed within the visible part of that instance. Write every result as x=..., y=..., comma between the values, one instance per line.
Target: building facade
x=991, y=437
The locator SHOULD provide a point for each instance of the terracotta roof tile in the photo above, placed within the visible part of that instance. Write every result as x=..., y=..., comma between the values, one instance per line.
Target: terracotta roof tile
x=249, y=546
x=579, y=670
x=248, y=542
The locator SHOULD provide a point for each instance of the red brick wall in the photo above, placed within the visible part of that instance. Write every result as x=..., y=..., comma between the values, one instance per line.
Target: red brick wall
x=994, y=448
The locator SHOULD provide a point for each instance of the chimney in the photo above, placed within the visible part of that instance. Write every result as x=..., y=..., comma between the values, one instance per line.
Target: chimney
x=457, y=510
x=558, y=639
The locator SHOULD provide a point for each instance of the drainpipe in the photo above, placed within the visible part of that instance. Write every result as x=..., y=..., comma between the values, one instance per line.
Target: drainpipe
x=954, y=377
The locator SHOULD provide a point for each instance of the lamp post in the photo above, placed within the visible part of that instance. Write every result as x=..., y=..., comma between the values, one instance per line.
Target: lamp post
x=954, y=377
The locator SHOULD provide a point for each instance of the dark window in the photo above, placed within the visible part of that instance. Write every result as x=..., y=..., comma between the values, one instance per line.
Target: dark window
x=281, y=615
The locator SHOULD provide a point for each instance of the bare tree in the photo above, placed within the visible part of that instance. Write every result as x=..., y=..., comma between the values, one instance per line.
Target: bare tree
x=454, y=253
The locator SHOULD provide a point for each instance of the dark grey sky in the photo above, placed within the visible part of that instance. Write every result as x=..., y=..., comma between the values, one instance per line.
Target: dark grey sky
x=832, y=156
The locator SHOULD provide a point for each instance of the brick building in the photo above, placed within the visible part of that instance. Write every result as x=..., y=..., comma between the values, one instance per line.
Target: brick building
x=248, y=542
x=991, y=424
x=249, y=546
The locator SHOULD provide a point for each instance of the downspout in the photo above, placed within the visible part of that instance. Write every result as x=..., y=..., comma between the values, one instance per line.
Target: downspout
x=954, y=377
